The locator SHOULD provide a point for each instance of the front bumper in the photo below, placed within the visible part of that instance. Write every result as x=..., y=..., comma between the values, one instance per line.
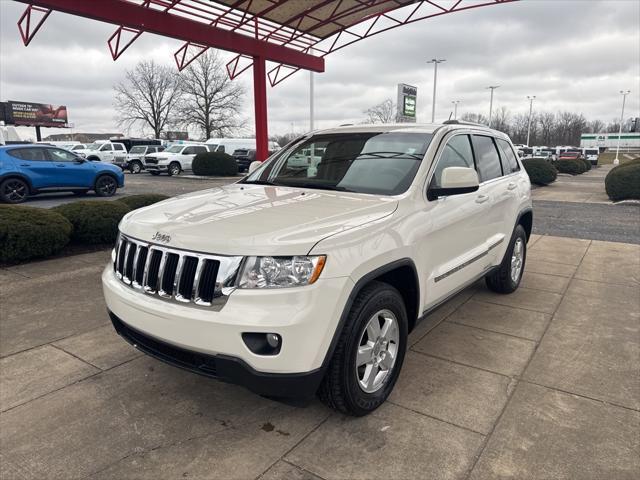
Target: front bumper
x=305, y=317
x=153, y=167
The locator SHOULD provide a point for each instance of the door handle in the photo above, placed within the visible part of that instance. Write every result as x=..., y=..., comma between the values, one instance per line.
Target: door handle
x=482, y=198
x=25, y=164
x=60, y=165
x=511, y=186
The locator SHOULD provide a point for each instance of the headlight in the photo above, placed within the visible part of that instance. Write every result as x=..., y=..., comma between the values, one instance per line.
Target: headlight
x=279, y=272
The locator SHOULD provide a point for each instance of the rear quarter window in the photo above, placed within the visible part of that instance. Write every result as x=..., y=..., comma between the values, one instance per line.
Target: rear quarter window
x=487, y=158
x=509, y=160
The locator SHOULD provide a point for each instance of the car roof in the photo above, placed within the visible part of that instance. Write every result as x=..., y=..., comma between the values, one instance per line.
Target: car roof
x=28, y=145
x=409, y=128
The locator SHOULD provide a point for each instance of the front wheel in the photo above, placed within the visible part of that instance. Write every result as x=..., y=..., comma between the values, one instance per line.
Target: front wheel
x=506, y=278
x=14, y=190
x=369, y=354
x=174, y=169
x=106, y=186
x=135, y=167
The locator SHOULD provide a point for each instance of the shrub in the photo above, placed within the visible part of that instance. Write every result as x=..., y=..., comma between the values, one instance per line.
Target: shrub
x=139, y=201
x=540, y=171
x=573, y=167
x=623, y=182
x=94, y=222
x=28, y=232
x=587, y=164
x=214, y=163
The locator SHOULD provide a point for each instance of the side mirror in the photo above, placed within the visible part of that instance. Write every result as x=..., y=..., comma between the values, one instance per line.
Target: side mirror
x=80, y=160
x=455, y=181
x=253, y=166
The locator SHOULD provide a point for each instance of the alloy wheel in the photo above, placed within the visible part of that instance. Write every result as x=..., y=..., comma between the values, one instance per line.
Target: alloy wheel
x=517, y=259
x=15, y=191
x=106, y=186
x=377, y=351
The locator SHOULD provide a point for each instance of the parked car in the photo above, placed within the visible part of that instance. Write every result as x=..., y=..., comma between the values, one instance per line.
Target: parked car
x=569, y=155
x=592, y=155
x=31, y=169
x=173, y=160
x=134, y=160
x=230, y=145
x=104, y=151
x=293, y=282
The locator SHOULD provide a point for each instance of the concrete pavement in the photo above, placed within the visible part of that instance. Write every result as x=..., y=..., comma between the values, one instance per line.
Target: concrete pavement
x=542, y=384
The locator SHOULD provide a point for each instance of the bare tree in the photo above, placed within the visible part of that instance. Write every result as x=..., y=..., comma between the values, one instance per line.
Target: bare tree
x=475, y=118
x=501, y=120
x=595, y=126
x=147, y=96
x=211, y=102
x=384, y=112
x=547, y=122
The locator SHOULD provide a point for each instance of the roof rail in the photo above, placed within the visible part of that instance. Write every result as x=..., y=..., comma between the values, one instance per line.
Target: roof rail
x=462, y=122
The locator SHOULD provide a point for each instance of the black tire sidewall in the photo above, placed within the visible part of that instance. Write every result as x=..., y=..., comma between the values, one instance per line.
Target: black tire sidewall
x=385, y=297
x=174, y=165
x=99, y=179
x=134, y=164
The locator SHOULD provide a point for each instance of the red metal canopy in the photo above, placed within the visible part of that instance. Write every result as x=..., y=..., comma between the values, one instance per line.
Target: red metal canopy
x=292, y=34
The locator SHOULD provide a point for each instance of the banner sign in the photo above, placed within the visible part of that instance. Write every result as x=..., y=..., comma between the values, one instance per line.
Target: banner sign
x=36, y=114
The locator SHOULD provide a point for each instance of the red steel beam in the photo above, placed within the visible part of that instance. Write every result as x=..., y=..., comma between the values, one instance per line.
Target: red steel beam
x=133, y=16
x=260, y=103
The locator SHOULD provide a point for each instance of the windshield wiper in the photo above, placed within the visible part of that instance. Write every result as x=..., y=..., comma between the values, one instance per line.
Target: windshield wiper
x=261, y=182
x=390, y=155
x=318, y=186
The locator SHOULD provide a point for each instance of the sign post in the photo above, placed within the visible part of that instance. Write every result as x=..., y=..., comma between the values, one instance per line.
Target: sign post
x=407, y=97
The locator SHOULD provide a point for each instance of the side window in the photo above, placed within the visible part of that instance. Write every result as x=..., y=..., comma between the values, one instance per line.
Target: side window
x=457, y=153
x=118, y=147
x=509, y=161
x=31, y=154
x=106, y=147
x=59, y=155
x=487, y=158
x=199, y=149
x=220, y=149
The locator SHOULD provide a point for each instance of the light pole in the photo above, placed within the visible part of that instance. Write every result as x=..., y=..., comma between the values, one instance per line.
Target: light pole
x=492, y=88
x=311, y=98
x=530, y=98
x=435, y=62
x=624, y=98
x=455, y=108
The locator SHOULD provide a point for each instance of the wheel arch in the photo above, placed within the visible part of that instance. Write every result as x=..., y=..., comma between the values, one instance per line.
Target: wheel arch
x=402, y=275
x=22, y=177
x=103, y=174
x=525, y=218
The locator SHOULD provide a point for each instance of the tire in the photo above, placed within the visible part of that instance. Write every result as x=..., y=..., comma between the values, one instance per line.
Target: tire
x=174, y=169
x=14, y=190
x=154, y=173
x=343, y=387
x=506, y=278
x=106, y=186
x=135, y=167
x=80, y=193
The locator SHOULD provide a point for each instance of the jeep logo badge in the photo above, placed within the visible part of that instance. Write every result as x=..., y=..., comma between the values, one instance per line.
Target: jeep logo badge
x=161, y=237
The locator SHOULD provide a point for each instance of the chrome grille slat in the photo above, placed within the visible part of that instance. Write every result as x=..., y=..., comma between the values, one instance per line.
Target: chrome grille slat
x=194, y=278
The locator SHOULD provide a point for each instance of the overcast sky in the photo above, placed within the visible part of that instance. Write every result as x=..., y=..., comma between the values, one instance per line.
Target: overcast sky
x=572, y=54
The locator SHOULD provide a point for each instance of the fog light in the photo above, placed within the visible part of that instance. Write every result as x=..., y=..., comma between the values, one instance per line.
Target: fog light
x=263, y=343
x=273, y=339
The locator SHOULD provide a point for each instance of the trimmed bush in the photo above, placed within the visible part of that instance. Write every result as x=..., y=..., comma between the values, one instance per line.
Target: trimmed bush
x=139, y=201
x=94, y=222
x=587, y=164
x=540, y=171
x=214, y=163
x=573, y=167
x=623, y=182
x=28, y=232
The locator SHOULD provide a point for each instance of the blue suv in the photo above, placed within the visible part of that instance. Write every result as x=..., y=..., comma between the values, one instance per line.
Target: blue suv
x=31, y=169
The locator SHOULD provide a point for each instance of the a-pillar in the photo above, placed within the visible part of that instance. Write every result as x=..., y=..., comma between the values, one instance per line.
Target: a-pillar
x=260, y=100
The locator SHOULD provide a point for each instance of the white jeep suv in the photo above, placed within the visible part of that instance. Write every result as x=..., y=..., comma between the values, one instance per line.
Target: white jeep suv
x=294, y=281
x=173, y=160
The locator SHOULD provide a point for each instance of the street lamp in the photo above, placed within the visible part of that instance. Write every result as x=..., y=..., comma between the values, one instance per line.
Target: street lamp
x=492, y=88
x=455, y=108
x=435, y=62
x=624, y=98
x=530, y=98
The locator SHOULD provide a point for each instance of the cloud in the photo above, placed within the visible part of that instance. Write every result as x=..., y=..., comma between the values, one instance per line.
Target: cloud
x=572, y=54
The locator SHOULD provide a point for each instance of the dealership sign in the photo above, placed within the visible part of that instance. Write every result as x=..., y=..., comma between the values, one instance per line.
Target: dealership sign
x=407, y=95
x=35, y=114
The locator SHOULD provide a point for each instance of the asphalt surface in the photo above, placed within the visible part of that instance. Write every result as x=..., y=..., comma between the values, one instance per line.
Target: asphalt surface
x=592, y=221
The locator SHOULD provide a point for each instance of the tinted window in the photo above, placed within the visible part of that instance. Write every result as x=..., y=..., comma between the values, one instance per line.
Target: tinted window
x=106, y=148
x=33, y=154
x=509, y=161
x=487, y=158
x=199, y=149
x=59, y=155
x=457, y=153
x=118, y=147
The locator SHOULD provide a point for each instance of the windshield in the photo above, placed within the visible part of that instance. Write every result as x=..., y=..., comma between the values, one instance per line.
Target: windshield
x=94, y=146
x=174, y=149
x=381, y=163
x=137, y=150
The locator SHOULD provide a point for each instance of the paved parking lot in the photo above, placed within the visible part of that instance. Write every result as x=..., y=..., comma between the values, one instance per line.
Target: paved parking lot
x=543, y=383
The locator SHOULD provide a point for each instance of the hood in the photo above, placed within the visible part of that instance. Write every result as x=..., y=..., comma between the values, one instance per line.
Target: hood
x=243, y=219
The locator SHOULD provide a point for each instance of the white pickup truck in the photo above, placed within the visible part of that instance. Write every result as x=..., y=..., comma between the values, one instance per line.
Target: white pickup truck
x=104, y=151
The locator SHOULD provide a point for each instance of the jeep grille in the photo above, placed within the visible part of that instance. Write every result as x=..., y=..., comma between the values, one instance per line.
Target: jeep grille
x=171, y=274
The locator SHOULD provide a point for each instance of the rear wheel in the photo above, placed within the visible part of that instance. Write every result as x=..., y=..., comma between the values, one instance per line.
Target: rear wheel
x=135, y=167
x=106, y=186
x=506, y=278
x=174, y=169
x=369, y=355
x=14, y=190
